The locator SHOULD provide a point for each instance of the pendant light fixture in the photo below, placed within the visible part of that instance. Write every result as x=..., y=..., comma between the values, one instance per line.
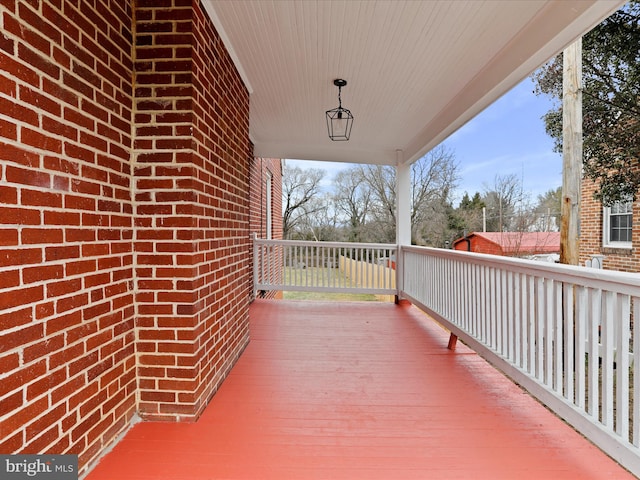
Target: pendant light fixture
x=339, y=120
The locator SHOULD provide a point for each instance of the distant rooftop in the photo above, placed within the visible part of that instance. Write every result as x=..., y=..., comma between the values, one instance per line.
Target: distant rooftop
x=513, y=243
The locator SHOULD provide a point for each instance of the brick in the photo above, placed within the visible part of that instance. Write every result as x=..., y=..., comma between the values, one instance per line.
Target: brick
x=46, y=384
x=40, y=140
x=61, y=252
x=71, y=303
x=43, y=199
x=40, y=101
x=58, y=127
x=26, y=34
x=10, y=279
x=7, y=44
x=8, y=129
x=42, y=273
x=43, y=348
x=60, y=93
x=22, y=256
x=11, y=403
x=15, y=154
x=61, y=218
x=65, y=287
x=38, y=24
x=39, y=62
x=20, y=417
x=42, y=440
x=19, y=70
x=9, y=362
x=18, y=112
x=21, y=377
x=28, y=177
x=12, y=444
x=20, y=337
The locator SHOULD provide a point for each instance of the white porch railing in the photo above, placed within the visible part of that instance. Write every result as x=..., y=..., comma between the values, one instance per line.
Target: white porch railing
x=324, y=266
x=564, y=333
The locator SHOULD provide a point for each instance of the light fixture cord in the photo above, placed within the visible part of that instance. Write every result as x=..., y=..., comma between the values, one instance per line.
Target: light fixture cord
x=339, y=96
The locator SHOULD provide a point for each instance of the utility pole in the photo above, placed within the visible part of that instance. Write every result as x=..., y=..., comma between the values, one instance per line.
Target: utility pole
x=571, y=152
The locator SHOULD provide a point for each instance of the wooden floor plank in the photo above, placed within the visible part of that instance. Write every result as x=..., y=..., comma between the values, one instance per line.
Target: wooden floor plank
x=358, y=391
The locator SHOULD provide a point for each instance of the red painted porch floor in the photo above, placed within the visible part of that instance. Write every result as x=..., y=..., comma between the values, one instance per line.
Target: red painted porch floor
x=358, y=391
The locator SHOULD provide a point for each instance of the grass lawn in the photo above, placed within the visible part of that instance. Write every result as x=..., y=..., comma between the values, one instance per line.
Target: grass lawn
x=335, y=297
x=324, y=276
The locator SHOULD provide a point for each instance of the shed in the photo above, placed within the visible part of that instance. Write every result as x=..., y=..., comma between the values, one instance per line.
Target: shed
x=511, y=244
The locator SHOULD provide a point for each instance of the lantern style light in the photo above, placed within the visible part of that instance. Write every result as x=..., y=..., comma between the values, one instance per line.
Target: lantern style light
x=339, y=120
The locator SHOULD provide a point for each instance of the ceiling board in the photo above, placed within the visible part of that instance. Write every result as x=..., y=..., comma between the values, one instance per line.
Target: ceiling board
x=416, y=70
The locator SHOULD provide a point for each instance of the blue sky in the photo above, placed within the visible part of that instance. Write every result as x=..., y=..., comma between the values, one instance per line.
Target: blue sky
x=506, y=138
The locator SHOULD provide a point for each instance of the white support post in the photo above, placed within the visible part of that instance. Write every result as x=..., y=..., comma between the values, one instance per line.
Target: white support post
x=403, y=214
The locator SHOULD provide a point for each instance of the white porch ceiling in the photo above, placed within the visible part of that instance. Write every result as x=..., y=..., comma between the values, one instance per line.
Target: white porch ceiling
x=416, y=70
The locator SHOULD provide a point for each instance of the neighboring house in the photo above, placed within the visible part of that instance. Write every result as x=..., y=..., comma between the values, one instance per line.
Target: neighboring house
x=608, y=238
x=511, y=244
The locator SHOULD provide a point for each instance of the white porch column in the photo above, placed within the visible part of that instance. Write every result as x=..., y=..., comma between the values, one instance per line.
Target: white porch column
x=403, y=216
x=403, y=200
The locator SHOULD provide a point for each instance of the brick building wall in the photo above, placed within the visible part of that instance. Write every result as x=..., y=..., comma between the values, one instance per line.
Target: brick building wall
x=591, y=238
x=67, y=353
x=261, y=169
x=192, y=174
x=124, y=219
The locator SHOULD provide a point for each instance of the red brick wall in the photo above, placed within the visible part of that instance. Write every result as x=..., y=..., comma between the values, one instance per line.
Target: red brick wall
x=192, y=211
x=124, y=219
x=591, y=213
x=260, y=169
x=67, y=360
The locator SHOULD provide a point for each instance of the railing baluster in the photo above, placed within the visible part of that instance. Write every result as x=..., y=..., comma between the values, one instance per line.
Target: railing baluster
x=569, y=341
x=516, y=339
x=557, y=338
x=594, y=352
x=549, y=332
x=607, y=358
x=531, y=289
x=580, y=349
x=540, y=323
x=622, y=319
x=635, y=306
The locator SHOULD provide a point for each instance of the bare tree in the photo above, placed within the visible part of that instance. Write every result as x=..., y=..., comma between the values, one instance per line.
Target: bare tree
x=547, y=211
x=381, y=182
x=319, y=221
x=299, y=187
x=352, y=199
x=433, y=179
x=505, y=205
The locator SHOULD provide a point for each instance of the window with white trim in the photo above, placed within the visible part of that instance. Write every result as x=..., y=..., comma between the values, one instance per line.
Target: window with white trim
x=618, y=225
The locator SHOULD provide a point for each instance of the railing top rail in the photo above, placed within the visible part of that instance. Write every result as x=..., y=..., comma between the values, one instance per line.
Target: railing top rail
x=388, y=246
x=622, y=282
